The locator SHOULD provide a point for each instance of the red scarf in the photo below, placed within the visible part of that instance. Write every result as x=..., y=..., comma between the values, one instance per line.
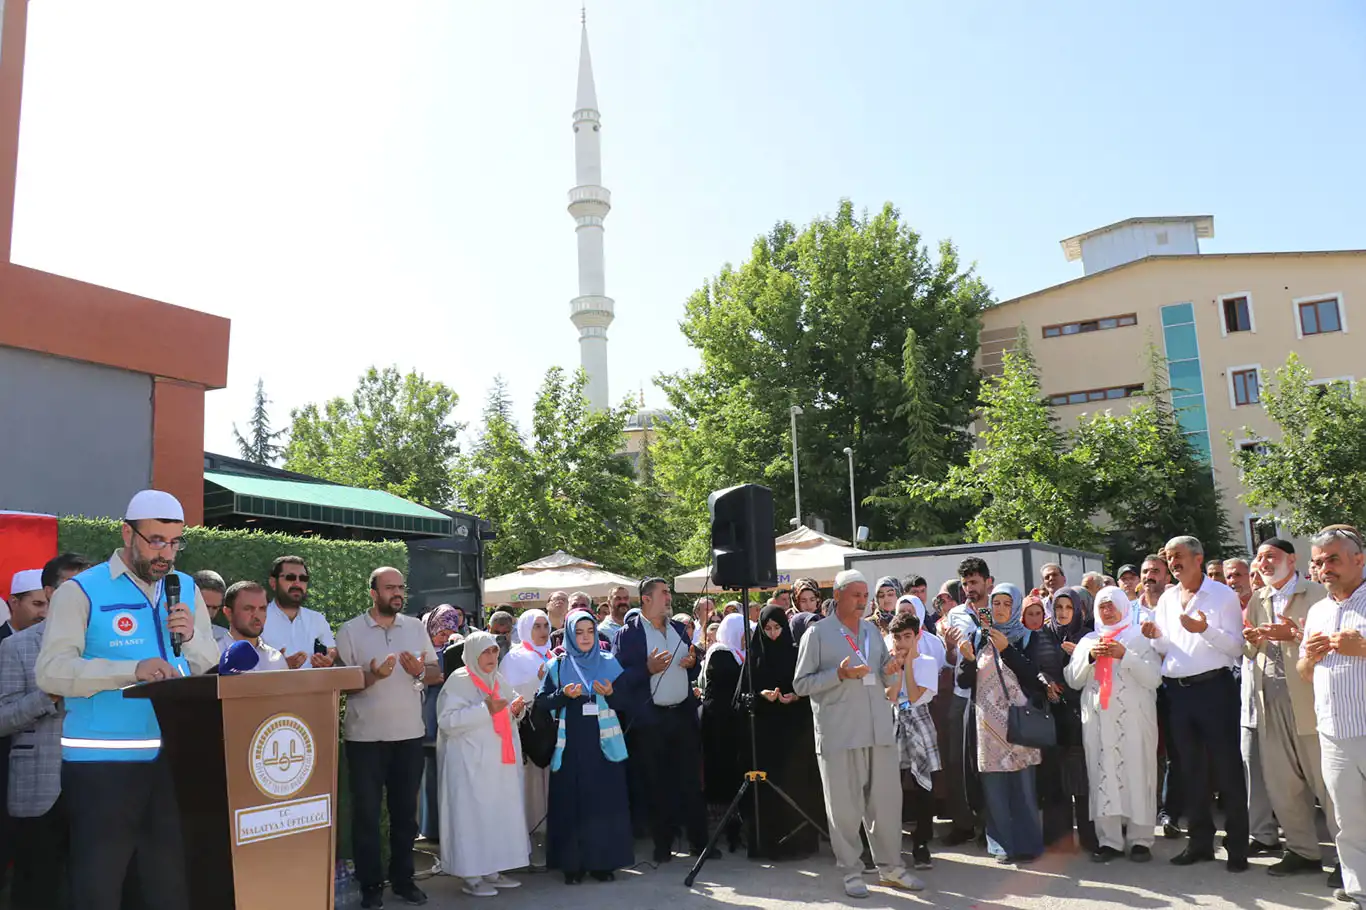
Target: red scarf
x=502, y=721
x=1105, y=668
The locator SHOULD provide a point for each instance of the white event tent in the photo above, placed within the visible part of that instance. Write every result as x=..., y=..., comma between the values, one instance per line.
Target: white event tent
x=535, y=581
x=802, y=553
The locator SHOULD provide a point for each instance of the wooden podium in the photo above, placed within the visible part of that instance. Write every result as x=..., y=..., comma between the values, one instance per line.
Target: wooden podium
x=254, y=758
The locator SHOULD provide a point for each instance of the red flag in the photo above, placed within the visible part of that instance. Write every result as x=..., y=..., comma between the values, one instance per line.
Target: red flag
x=27, y=541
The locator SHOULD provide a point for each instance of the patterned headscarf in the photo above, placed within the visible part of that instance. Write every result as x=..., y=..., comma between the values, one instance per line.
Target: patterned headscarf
x=443, y=618
x=807, y=584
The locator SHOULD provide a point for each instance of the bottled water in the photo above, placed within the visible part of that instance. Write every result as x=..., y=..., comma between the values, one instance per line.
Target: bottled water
x=347, y=888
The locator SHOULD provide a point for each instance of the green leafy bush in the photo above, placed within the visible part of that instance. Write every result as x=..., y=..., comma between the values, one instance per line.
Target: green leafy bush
x=339, y=570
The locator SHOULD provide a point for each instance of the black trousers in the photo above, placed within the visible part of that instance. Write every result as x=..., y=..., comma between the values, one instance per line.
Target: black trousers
x=966, y=817
x=668, y=757
x=375, y=770
x=124, y=820
x=41, y=850
x=1171, y=798
x=1068, y=802
x=1204, y=719
x=917, y=807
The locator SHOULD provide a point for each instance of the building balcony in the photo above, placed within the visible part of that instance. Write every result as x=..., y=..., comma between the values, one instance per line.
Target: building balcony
x=592, y=310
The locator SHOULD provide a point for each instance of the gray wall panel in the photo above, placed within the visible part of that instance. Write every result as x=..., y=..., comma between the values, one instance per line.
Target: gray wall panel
x=77, y=438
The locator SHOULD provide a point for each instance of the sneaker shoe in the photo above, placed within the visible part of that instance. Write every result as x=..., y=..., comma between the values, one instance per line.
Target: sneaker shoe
x=477, y=887
x=921, y=857
x=1141, y=854
x=900, y=878
x=499, y=880
x=1293, y=864
x=372, y=899
x=854, y=886
x=410, y=894
x=1335, y=877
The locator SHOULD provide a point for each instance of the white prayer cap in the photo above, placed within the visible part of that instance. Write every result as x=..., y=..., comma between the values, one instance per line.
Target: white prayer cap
x=154, y=505
x=847, y=578
x=26, y=581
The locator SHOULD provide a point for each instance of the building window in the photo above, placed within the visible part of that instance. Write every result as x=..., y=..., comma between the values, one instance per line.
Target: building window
x=1342, y=384
x=1319, y=316
x=1182, y=350
x=1090, y=325
x=1255, y=446
x=1237, y=313
x=1108, y=394
x=1244, y=387
x=1258, y=530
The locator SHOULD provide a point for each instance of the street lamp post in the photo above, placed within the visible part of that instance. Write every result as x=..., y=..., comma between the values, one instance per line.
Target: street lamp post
x=796, y=477
x=853, y=515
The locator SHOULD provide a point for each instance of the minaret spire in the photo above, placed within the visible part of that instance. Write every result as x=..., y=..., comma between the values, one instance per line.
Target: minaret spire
x=589, y=202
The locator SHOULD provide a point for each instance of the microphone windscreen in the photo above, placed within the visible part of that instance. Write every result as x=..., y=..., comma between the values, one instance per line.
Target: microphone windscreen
x=172, y=585
x=238, y=658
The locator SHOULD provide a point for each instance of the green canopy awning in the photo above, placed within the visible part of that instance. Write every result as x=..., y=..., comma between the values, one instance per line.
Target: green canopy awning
x=319, y=503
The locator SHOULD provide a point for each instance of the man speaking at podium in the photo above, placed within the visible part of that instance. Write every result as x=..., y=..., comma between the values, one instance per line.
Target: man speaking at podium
x=111, y=627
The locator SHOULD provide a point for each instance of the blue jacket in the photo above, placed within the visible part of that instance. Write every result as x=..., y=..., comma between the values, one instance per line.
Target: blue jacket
x=123, y=625
x=634, y=655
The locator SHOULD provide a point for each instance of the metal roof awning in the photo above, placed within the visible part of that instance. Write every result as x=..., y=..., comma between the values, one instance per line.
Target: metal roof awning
x=319, y=503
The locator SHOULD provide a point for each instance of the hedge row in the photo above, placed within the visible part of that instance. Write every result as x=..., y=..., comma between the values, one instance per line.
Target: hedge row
x=339, y=570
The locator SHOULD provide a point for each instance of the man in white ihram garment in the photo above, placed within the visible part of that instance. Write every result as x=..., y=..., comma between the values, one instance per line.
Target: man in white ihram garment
x=844, y=668
x=1118, y=673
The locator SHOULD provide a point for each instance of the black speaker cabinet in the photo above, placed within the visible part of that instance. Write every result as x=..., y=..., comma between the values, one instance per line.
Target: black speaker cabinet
x=742, y=553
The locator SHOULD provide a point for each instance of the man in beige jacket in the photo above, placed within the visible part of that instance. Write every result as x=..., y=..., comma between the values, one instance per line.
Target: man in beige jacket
x=1287, y=731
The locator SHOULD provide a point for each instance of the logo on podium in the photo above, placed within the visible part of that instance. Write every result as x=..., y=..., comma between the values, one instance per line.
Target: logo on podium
x=282, y=756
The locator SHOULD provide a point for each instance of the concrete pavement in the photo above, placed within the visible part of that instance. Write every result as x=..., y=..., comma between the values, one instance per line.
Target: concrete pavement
x=961, y=879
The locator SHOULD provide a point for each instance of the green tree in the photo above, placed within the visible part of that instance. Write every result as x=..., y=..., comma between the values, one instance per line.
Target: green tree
x=1315, y=474
x=1030, y=479
x=261, y=446
x=564, y=487
x=395, y=433
x=822, y=317
x=1021, y=480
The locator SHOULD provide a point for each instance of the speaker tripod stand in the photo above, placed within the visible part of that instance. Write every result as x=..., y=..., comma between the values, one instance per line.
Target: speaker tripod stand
x=754, y=778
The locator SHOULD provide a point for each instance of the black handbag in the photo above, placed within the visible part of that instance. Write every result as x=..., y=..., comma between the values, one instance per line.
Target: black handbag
x=1030, y=724
x=539, y=729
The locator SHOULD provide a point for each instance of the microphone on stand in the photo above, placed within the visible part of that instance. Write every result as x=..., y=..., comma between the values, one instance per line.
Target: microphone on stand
x=172, y=588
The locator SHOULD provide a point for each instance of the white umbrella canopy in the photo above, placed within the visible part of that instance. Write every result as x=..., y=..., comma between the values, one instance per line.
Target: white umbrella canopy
x=535, y=581
x=802, y=553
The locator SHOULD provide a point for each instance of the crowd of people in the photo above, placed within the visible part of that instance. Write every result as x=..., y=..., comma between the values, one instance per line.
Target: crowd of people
x=1063, y=718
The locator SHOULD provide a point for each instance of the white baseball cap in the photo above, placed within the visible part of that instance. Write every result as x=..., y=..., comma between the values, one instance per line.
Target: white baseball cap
x=26, y=581
x=155, y=505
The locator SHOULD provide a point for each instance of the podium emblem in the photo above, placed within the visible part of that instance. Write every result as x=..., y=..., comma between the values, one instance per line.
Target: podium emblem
x=282, y=756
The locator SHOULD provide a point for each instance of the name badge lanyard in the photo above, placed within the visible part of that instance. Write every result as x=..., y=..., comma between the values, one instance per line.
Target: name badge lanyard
x=869, y=679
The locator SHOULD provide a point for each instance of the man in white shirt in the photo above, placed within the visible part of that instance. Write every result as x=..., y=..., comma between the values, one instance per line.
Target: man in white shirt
x=244, y=605
x=291, y=627
x=1199, y=634
x=1333, y=657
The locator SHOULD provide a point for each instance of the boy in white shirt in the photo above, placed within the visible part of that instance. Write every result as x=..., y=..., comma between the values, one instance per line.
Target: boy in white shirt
x=916, y=738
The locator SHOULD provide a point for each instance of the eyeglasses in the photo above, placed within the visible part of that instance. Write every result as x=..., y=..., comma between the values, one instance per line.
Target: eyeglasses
x=293, y=577
x=160, y=543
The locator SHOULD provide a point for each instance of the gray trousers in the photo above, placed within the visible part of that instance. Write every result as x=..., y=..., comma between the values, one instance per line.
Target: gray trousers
x=863, y=787
x=1260, y=817
x=1293, y=770
x=1344, y=771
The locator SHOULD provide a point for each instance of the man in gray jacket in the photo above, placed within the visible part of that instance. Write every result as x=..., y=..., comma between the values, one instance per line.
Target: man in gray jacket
x=844, y=668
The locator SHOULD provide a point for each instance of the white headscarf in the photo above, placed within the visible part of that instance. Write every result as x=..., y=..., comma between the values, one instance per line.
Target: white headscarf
x=476, y=643
x=1117, y=597
x=523, y=663
x=916, y=604
x=731, y=637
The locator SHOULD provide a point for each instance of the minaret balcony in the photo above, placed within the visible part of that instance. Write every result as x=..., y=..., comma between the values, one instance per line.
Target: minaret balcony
x=591, y=310
x=590, y=200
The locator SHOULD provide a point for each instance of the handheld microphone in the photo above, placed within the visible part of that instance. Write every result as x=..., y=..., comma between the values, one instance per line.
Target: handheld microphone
x=240, y=657
x=172, y=588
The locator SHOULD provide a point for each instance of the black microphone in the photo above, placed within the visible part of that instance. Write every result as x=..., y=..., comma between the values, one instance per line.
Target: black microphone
x=172, y=589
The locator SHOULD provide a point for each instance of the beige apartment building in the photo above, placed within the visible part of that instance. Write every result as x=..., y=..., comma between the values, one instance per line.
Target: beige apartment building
x=1224, y=323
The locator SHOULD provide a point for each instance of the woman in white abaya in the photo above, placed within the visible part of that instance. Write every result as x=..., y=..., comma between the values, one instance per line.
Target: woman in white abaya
x=483, y=829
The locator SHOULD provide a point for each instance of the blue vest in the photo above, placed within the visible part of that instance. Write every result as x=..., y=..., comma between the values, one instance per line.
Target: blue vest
x=123, y=625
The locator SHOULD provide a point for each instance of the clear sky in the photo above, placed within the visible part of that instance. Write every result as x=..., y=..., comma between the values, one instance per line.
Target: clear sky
x=385, y=183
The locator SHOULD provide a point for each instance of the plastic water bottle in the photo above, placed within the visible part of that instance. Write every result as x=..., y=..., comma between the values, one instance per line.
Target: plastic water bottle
x=347, y=889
